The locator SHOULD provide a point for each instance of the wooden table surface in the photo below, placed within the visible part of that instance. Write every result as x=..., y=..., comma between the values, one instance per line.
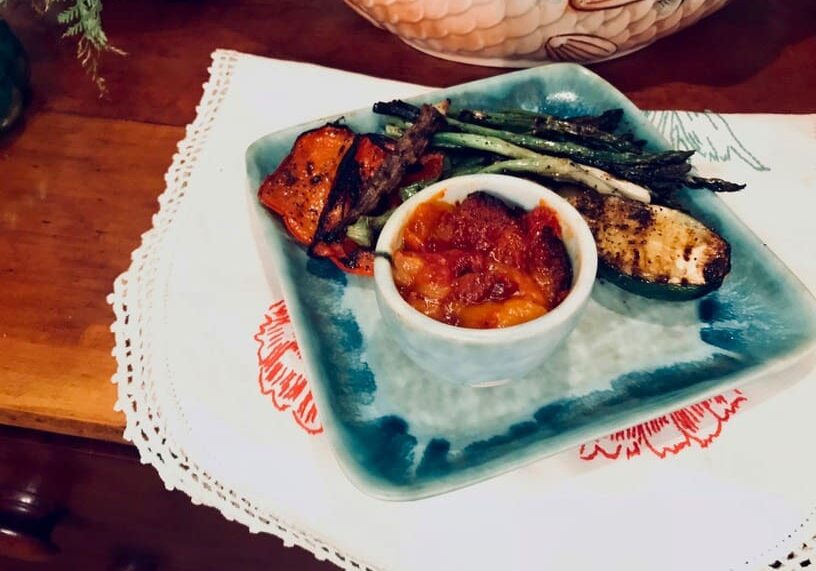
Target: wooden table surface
x=78, y=184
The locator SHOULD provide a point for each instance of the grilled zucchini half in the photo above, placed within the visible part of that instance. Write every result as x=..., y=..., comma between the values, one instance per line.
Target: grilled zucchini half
x=652, y=250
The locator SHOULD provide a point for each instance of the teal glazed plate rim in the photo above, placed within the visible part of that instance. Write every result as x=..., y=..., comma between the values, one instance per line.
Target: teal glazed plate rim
x=400, y=434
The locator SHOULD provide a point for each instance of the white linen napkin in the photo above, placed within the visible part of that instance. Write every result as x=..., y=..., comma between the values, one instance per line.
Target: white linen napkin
x=727, y=485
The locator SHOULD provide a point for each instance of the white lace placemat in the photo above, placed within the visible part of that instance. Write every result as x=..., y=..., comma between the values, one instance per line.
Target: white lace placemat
x=210, y=380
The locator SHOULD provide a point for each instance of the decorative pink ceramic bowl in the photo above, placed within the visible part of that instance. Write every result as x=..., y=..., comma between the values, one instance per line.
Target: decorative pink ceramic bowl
x=522, y=33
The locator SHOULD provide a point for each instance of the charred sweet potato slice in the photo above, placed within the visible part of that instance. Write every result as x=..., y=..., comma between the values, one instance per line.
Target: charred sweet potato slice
x=300, y=186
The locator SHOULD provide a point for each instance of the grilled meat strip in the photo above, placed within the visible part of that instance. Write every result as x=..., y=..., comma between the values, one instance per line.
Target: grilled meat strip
x=385, y=179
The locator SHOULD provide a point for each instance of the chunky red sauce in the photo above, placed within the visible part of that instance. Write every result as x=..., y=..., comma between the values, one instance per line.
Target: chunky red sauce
x=482, y=264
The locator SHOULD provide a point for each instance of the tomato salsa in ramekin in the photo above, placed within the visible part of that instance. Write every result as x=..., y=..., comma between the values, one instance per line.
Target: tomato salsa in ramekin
x=481, y=263
x=463, y=294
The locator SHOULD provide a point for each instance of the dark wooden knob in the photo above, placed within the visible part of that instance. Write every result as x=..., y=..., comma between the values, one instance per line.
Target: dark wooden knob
x=26, y=523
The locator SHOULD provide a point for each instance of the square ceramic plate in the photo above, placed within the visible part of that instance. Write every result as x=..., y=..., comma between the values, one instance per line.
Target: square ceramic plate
x=401, y=434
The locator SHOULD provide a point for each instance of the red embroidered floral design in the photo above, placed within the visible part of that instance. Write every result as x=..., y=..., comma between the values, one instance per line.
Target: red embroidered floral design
x=698, y=424
x=281, y=370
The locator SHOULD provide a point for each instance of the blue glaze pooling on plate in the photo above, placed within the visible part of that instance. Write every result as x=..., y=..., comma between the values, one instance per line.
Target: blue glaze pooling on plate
x=351, y=382
x=435, y=462
x=561, y=416
x=400, y=434
x=386, y=447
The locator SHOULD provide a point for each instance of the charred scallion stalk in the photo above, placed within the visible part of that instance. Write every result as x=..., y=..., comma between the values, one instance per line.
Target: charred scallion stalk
x=556, y=168
x=588, y=177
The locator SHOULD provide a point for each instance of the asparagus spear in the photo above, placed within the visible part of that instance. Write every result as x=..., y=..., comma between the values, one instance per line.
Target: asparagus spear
x=607, y=121
x=608, y=160
x=715, y=184
x=544, y=125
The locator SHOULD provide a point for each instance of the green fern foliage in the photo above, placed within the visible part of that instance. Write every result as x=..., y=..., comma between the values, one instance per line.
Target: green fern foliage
x=82, y=20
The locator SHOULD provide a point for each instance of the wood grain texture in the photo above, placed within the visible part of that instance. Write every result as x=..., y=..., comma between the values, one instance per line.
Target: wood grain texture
x=77, y=193
x=80, y=181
